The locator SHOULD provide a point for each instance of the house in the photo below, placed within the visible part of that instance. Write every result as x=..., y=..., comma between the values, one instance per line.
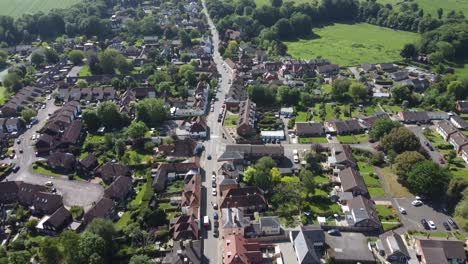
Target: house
x=270, y=225
x=88, y=164
x=387, y=67
x=287, y=111
x=119, y=189
x=179, y=148
x=150, y=40
x=237, y=153
x=440, y=251
x=392, y=247
x=459, y=122
x=63, y=162
x=327, y=70
x=233, y=34
x=13, y=125
x=352, y=181
x=110, y=171
x=445, y=129
x=462, y=107
x=464, y=153
x=104, y=208
x=341, y=157
x=233, y=221
x=230, y=65
x=188, y=251
x=247, y=118
x=238, y=250
x=399, y=76
x=309, y=129
x=349, y=248
x=199, y=128
x=458, y=141
x=191, y=196
x=244, y=198
x=308, y=243
x=367, y=67
x=172, y=171
x=46, y=203
x=362, y=213
x=185, y=227
x=56, y=222
x=344, y=127
x=413, y=117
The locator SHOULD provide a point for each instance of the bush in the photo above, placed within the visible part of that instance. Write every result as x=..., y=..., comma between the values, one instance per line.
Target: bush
x=77, y=212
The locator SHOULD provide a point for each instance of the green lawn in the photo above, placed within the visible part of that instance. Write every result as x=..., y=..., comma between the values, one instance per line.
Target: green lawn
x=371, y=179
x=431, y=6
x=132, y=157
x=301, y=117
x=44, y=171
x=309, y=140
x=3, y=95
x=353, y=139
x=177, y=186
x=166, y=206
x=231, y=120
x=123, y=221
x=346, y=44
x=388, y=216
x=319, y=179
x=85, y=71
x=391, y=179
x=16, y=8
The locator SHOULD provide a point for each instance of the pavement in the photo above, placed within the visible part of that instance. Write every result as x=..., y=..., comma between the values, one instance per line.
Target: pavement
x=212, y=246
x=75, y=192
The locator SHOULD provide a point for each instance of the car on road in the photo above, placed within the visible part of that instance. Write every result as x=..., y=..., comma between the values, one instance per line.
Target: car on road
x=216, y=233
x=452, y=223
x=216, y=224
x=425, y=224
x=209, y=157
x=212, y=109
x=21, y=151
x=215, y=206
x=417, y=202
x=402, y=210
x=214, y=192
x=446, y=226
x=334, y=232
x=215, y=215
x=49, y=183
x=16, y=168
x=43, y=106
x=206, y=221
x=431, y=225
x=18, y=141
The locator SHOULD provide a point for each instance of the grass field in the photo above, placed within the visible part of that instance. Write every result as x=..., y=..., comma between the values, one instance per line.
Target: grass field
x=2, y=95
x=353, y=139
x=231, y=120
x=431, y=6
x=16, y=8
x=373, y=184
x=354, y=44
x=396, y=189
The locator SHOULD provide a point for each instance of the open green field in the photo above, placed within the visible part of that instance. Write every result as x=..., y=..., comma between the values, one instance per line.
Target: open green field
x=431, y=6
x=346, y=44
x=16, y=8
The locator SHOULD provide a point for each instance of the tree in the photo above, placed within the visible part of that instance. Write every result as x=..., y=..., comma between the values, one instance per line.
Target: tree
x=140, y=259
x=284, y=28
x=340, y=88
x=90, y=244
x=136, y=130
x=276, y=3
x=440, y=13
x=381, y=127
x=37, y=59
x=104, y=229
x=408, y=51
x=307, y=178
x=455, y=190
x=110, y=59
x=49, y=252
x=3, y=58
x=457, y=89
x=69, y=240
x=275, y=175
x=153, y=217
x=301, y=23
x=405, y=161
x=400, y=139
x=357, y=91
x=91, y=119
x=51, y=56
x=19, y=257
x=13, y=82
x=76, y=56
x=31, y=225
x=27, y=115
x=428, y=178
x=401, y=93
x=109, y=115
x=81, y=83
x=151, y=111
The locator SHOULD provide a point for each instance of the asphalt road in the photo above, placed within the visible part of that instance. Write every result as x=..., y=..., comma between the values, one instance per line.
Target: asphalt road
x=212, y=248
x=76, y=192
x=418, y=131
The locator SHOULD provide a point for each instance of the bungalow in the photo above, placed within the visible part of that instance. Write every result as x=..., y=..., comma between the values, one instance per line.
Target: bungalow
x=412, y=117
x=104, y=208
x=63, y=162
x=309, y=129
x=352, y=181
x=13, y=125
x=237, y=153
x=445, y=129
x=344, y=127
x=399, y=76
x=362, y=213
x=55, y=223
x=341, y=157
x=245, y=198
x=387, y=67
x=308, y=244
x=462, y=107
x=327, y=70
x=349, y=248
x=110, y=171
x=119, y=189
x=458, y=141
x=440, y=251
x=392, y=247
x=459, y=122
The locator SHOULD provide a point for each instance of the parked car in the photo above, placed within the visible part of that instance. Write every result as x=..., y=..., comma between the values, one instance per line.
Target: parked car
x=431, y=225
x=209, y=157
x=425, y=224
x=212, y=109
x=334, y=232
x=213, y=184
x=402, y=210
x=215, y=215
x=417, y=202
x=215, y=206
x=49, y=183
x=214, y=192
x=216, y=224
x=452, y=223
x=216, y=233
x=21, y=151
x=16, y=168
x=446, y=226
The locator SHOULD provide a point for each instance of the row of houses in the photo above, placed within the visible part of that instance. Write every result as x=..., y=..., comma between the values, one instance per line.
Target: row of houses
x=453, y=136
x=25, y=98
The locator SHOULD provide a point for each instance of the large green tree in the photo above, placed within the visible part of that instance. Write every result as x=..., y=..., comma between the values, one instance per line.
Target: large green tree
x=405, y=161
x=109, y=115
x=381, y=127
x=399, y=140
x=428, y=178
x=152, y=112
x=49, y=251
x=136, y=130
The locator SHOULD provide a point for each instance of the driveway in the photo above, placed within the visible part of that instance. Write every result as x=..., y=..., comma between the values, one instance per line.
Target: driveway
x=412, y=219
x=418, y=131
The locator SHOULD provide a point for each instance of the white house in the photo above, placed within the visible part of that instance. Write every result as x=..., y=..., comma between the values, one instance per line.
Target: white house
x=270, y=225
x=12, y=125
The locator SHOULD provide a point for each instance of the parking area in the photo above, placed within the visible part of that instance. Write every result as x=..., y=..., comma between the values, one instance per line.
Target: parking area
x=412, y=219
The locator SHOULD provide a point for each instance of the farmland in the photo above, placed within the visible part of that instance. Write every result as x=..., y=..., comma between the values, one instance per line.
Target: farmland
x=16, y=8
x=353, y=44
x=431, y=6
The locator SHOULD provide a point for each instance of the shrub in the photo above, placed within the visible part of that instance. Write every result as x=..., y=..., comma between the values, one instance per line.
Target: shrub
x=77, y=212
